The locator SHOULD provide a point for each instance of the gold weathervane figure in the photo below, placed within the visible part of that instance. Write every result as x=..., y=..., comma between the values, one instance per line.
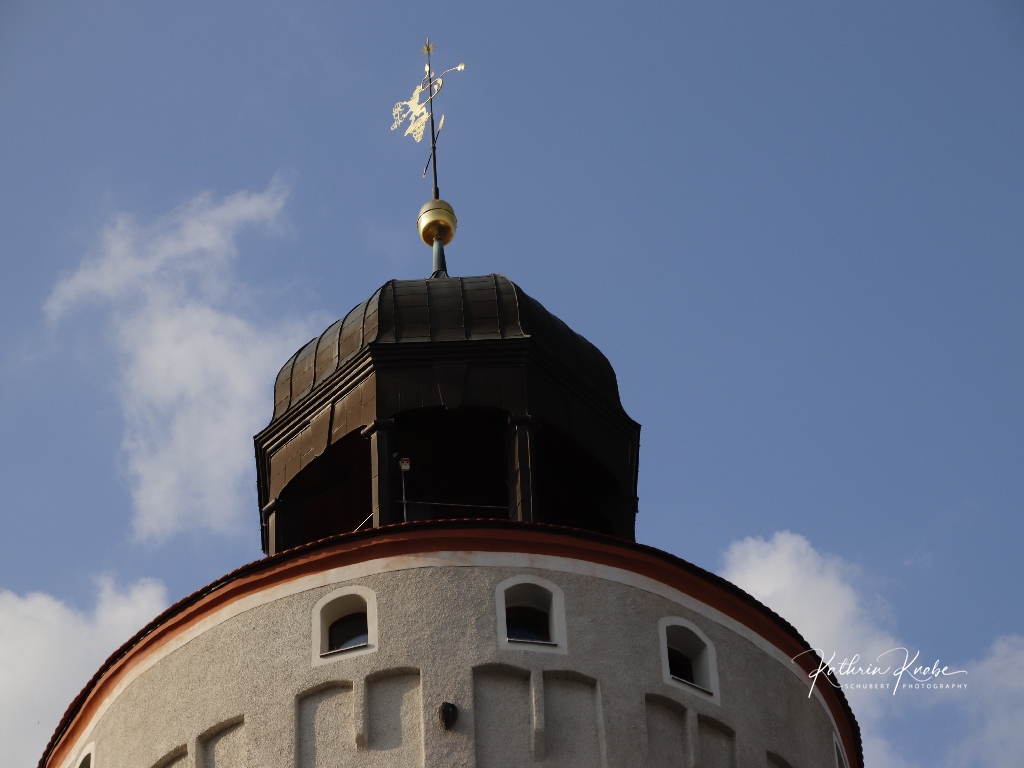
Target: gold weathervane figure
x=414, y=111
x=418, y=113
x=436, y=222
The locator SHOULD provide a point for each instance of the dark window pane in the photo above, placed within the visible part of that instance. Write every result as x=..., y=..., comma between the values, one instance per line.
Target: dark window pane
x=679, y=665
x=348, y=632
x=527, y=624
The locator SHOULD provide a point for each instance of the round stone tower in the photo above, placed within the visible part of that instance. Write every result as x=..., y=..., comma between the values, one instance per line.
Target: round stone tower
x=447, y=499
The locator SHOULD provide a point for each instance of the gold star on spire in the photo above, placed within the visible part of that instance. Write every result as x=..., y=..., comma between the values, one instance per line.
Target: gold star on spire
x=428, y=48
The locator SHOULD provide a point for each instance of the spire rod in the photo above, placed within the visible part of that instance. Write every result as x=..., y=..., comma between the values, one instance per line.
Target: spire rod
x=428, y=49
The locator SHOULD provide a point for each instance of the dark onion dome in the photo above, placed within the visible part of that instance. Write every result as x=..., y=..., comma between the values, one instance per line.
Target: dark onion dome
x=441, y=310
x=494, y=407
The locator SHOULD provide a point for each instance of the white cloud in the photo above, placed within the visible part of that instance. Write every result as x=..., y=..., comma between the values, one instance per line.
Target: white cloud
x=815, y=593
x=196, y=376
x=995, y=709
x=812, y=590
x=196, y=240
x=48, y=651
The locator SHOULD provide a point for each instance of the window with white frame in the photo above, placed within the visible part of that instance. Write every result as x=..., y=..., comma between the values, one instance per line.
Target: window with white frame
x=531, y=615
x=688, y=657
x=344, y=624
x=528, y=614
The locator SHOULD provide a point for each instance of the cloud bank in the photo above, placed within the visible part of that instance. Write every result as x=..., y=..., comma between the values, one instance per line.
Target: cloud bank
x=195, y=376
x=48, y=651
x=995, y=718
x=815, y=592
x=818, y=594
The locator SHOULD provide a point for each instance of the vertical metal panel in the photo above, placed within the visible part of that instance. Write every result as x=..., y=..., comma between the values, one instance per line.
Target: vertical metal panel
x=339, y=421
x=368, y=400
x=508, y=308
x=355, y=410
x=302, y=372
x=447, y=319
x=351, y=333
x=277, y=469
x=283, y=388
x=483, y=387
x=480, y=299
x=319, y=433
x=283, y=461
x=412, y=311
x=327, y=353
x=386, y=314
x=371, y=317
x=305, y=447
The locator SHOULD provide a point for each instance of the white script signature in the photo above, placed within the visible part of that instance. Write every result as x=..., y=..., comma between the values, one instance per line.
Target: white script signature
x=896, y=667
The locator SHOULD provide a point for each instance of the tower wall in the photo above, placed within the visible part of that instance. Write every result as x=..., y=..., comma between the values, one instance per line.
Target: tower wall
x=235, y=677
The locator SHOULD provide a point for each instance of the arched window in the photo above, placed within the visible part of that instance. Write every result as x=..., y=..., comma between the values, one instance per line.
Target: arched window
x=688, y=657
x=344, y=624
x=531, y=615
x=528, y=614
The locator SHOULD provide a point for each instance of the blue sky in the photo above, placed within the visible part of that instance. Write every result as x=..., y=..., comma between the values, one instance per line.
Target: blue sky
x=794, y=229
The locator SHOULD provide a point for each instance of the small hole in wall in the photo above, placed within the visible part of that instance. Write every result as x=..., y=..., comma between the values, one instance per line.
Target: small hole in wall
x=348, y=632
x=447, y=714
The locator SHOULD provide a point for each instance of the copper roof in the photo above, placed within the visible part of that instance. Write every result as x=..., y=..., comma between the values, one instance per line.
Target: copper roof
x=456, y=309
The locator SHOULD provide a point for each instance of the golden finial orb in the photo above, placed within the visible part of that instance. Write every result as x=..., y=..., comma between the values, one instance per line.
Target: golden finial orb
x=437, y=222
